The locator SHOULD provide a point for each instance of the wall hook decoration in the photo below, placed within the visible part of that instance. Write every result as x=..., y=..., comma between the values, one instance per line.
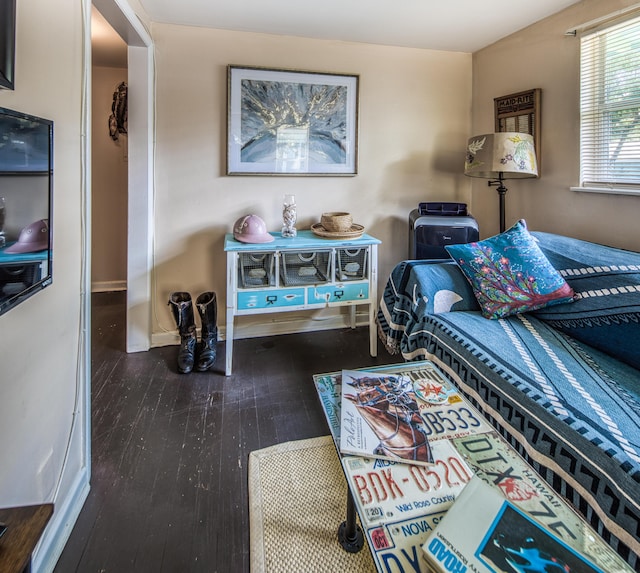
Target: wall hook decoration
x=118, y=120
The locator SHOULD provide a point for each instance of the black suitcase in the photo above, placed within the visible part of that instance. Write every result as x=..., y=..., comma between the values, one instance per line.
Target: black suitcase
x=434, y=225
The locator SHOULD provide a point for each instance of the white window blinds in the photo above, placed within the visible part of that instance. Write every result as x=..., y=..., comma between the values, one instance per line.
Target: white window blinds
x=610, y=107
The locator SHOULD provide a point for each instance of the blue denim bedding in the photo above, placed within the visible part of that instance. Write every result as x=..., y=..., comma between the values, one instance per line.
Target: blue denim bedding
x=606, y=311
x=571, y=410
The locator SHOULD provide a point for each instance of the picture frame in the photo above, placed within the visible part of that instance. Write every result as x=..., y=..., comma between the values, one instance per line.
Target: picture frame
x=520, y=112
x=7, y=44
x=291, y=123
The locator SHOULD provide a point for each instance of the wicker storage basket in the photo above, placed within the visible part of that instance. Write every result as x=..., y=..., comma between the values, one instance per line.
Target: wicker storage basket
x=337, y=222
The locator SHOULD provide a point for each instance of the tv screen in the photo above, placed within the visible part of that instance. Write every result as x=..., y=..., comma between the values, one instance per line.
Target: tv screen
x=26, y=192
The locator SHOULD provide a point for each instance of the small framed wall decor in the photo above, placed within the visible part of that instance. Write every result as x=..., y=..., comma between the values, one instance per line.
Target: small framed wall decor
x=286, y=122
x=7, y=43
x=520, y=112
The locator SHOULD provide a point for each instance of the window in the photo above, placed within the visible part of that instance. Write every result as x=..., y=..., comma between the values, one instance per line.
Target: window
x=610, y=108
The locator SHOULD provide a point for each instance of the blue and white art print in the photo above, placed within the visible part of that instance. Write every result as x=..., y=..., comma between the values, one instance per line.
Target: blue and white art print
x=285, y=122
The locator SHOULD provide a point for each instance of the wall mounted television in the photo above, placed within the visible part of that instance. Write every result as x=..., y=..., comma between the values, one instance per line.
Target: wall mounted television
x=26, y=204
x=7, y=43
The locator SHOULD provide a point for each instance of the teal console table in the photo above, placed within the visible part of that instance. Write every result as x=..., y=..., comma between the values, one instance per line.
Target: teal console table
x=300, y=273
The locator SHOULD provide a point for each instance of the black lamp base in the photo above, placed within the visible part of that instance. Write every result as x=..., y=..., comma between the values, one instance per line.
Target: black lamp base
x=502, y=191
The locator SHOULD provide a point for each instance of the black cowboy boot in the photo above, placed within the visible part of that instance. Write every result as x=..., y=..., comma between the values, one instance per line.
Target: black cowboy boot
x=182, y=309
x=208, y=310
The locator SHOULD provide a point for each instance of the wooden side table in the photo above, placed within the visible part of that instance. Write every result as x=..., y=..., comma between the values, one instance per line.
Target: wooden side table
x=24, y=528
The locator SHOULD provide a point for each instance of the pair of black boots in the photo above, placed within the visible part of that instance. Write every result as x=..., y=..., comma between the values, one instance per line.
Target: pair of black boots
x=182, y=310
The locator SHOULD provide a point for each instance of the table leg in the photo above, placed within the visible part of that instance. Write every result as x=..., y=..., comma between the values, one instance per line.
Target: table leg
x=350, y=533
x=352, y=316
x=229, y=344
x=373, y=304
x=232, y=288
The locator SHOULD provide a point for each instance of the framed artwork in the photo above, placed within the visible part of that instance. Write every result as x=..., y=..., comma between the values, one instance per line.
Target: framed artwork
x=520, y=112
x=285, y=122
x=7, y=43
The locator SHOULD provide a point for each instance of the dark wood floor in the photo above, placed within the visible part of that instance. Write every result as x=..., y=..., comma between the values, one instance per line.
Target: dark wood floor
x=169, y=460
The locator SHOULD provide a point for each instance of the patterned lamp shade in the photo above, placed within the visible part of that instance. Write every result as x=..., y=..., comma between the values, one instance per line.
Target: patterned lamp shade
x=505, y=155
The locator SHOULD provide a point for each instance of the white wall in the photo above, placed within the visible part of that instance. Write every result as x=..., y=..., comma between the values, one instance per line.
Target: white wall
x=109, y=186
x=414, y=122
x=543, y=57
x=42, y=377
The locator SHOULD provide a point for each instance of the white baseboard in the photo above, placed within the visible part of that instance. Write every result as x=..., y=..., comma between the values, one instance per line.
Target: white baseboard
x=108, y=286
x=59, y=529
x=260, y=325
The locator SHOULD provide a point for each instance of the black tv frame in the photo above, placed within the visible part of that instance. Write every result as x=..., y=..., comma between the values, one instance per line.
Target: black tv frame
x=14, y=299
x=7, y=43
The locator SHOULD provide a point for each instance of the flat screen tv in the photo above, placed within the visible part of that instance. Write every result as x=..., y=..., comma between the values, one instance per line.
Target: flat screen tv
x=26, y=203
x=7, y=43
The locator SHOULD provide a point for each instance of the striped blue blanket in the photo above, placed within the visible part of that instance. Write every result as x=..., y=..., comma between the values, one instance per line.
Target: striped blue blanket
x=606, y=311
x=571, y=409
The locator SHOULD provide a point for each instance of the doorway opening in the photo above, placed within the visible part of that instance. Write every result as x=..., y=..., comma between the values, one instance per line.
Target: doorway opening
x=109, y=157
x=139, y=163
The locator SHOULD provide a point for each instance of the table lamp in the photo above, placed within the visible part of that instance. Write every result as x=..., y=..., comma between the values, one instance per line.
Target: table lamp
x=500, y=156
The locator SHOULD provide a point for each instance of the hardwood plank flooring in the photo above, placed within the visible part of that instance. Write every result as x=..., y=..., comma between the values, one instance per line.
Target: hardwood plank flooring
x=170, y=451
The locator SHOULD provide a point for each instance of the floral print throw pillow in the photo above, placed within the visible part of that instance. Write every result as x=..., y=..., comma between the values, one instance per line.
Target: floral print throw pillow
x=509, y=273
